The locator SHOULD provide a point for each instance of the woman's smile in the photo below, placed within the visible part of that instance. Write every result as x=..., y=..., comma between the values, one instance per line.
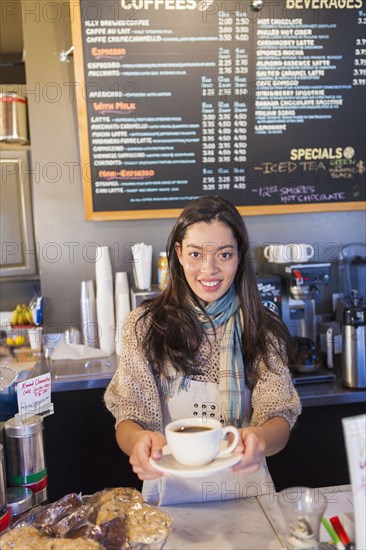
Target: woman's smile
x=209, y=257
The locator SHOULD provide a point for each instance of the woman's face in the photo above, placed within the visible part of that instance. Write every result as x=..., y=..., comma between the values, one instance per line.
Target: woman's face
x=209, y=257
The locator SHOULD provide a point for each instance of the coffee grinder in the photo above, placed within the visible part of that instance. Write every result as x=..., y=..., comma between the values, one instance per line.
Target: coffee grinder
x=302, y=284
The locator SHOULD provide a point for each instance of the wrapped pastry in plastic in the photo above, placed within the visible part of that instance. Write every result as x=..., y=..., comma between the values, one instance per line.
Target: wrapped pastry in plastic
x=148, y=525
x=112, y=534
x=87, y=531
x=117, y=502
x=57, y=510
x=113, y=519
x=29, y=538
x=71, y=521
x=115, y=534
x=121, y=494
x=111, y=510
x=23, y=537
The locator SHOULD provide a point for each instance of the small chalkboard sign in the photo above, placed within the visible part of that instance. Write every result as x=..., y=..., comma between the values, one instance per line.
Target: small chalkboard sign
x=264, y=105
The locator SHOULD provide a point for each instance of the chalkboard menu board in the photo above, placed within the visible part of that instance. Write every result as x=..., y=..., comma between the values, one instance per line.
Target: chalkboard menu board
x=262, y=103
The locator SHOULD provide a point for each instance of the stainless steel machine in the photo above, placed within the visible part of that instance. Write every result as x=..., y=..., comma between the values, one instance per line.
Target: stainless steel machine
x=351, y=313
x=302, y=285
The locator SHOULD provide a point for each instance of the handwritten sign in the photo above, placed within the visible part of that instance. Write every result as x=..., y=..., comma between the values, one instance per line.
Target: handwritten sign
x=34, y=396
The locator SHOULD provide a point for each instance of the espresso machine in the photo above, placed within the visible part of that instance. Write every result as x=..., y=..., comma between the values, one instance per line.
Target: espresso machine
x=302, y=285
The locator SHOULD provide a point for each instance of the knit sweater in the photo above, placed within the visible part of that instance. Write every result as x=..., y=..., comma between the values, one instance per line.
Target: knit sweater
x=135, y=392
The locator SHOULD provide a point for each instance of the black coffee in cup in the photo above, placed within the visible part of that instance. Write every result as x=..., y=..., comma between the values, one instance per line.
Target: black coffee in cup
x=192, y=429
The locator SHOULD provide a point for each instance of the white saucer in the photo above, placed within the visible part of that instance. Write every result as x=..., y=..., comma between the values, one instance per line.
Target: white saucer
x=168, y=465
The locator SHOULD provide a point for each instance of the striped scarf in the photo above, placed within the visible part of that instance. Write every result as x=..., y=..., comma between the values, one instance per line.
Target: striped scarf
x=225, y=312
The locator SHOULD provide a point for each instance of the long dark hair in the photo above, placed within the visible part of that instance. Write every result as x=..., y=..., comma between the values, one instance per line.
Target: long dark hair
x=175, y=334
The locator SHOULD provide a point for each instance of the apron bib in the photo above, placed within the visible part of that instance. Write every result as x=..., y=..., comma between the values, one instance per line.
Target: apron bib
x=202, y=399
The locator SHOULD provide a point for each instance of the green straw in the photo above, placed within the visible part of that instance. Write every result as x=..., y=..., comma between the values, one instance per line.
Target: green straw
x=333, y=535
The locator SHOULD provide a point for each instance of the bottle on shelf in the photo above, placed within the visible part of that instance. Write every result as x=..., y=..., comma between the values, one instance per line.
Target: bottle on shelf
x=162, y=270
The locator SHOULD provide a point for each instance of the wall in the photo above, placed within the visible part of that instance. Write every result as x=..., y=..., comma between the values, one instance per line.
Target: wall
x=13, y=291
x=65, y=241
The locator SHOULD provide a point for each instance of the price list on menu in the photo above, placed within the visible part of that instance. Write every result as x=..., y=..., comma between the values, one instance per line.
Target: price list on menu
x=263, y=105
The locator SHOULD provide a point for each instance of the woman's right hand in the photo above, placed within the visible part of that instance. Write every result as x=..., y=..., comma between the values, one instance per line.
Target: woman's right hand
x=149, y=444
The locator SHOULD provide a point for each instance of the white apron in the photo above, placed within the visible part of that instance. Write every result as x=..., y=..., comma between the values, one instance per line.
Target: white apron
x=201, y=399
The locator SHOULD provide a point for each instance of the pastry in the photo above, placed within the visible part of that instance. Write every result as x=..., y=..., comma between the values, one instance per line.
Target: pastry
x=74, y=544
x=121, y=494
x=148, y=524
x=57, y=510
x=87, y=531
x=23, y=538
x=115, y=534
x=29, y=538
x=111, y=510
x=69, y=522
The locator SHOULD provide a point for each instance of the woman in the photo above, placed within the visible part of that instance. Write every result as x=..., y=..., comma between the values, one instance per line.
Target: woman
x=205, y=346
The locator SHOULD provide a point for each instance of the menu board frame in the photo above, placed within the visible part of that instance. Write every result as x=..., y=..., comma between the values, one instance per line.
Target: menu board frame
x=148, y=213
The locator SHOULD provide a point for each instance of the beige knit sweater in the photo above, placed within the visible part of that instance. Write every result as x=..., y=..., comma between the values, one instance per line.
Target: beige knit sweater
x=135, y=392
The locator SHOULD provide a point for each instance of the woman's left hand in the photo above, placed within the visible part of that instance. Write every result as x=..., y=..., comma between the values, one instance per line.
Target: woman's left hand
x=252, y=446
x=257, y=442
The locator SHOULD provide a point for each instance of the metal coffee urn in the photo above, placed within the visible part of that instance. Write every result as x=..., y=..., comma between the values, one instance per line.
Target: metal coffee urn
x=25, y=459
x=4, y=510
x=3, y=505
x=354, y=347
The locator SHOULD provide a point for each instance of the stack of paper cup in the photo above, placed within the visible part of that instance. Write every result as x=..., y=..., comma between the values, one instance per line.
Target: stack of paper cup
x=142, y=256
x=105, y=301
x=88, y=311
x=122, y=304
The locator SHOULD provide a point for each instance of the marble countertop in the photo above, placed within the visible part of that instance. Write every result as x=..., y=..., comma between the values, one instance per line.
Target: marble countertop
x=252, y=523
x=231, y=524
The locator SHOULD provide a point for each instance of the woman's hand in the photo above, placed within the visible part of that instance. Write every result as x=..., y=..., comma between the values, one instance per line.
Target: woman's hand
x=148, y=444
x=252, y=447
x=257, y=442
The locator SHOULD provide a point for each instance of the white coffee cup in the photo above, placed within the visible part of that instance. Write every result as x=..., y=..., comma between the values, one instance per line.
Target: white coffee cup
x=288, y=253
x=197, y=441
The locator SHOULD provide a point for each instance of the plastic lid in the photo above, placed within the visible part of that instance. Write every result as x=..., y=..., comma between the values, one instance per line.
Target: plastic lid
x=15, y=428
x=163, y=254
x=20, y=499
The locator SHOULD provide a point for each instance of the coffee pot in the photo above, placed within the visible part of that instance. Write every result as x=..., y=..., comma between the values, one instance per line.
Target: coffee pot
x=352, y=272
x=354, y=347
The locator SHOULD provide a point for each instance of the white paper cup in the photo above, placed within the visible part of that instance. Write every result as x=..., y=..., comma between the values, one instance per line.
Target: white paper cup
x=197, y=441
x=103, y=265
x=35, y=338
